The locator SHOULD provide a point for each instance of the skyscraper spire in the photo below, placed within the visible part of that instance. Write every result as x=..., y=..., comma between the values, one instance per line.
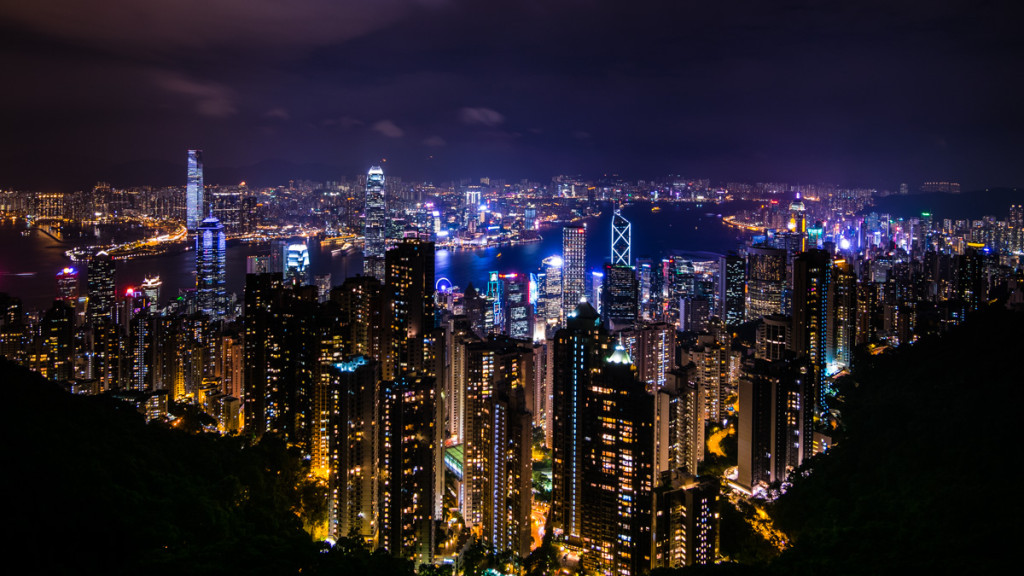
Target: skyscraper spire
x=621, y=239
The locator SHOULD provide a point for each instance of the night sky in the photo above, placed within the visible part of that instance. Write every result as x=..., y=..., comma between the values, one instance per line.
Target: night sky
x=860, y=93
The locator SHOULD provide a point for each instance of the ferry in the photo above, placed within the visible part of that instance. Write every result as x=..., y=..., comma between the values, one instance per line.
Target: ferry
x=655, y=209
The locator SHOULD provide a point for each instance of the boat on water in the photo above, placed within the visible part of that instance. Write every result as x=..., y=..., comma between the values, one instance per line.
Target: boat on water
x=655, y=209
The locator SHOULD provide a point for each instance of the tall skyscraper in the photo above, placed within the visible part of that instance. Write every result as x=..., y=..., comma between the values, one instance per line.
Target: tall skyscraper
x=812, y=284
x=67, y=286
x=579, y=351
x=621, y=240
x=619, y=296
x=375, y=224
x=574, y=263
x=731, y=283
x=766, y=281
x=410, y=280
x=101, y=287
x=549, y=305
x=617, y=470
x=410, y=466
x=211, y=254
x=194, y=190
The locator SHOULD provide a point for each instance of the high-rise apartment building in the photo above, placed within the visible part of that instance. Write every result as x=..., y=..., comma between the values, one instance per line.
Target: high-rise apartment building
x=375, y=224
x=194, y=191
x=410, y=466
x=211, y=265
x=574, y=262
x=410, y=287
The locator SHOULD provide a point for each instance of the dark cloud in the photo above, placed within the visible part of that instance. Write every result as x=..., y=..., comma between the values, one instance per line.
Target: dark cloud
x=388, y=128
x=481, y=116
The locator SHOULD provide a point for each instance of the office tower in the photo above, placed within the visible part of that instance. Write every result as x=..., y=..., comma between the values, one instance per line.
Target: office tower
x=410, y=466
x=549, y=304
x=686, y=521
x=194, y=208
x=375, y=224
x=766, y=281
x=812, y=280
x=619, y=297
x=644, y=279
x=347, y=411
x=296, y=263
x=497, y=472
x=151, y=289
x=574, y=262
x=621, y=240
x=211, y=264
x=618, y=470
x=774, y=337
x=67, y=286
x=579, y=351
x=410, y=286
x=594, y=288
x=731, y=284
x=517, y=306
x=775, y=417
x=101, y=287
x=57, y=330
x=842, y=315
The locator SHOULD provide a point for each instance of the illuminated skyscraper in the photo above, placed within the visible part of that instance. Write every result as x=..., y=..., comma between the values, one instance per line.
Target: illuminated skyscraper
x=375, y=224
x=194, y=190
x=574, y=262
x=619, y=295
x=579, y=351
x=410, y=466
x=101, y=287
x=812, y=284
x=731, y=301
x=296, y=263
x=766, y=281
x=67, y=286
x=211, y=253
x=617, y=470
x=621, y=239
x=549, y=306
x=410, y=283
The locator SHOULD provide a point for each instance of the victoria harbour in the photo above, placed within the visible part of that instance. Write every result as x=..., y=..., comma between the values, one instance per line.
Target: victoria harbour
x=674, y=229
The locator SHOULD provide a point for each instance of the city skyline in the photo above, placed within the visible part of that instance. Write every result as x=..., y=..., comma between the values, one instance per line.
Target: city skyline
x=878, y=93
